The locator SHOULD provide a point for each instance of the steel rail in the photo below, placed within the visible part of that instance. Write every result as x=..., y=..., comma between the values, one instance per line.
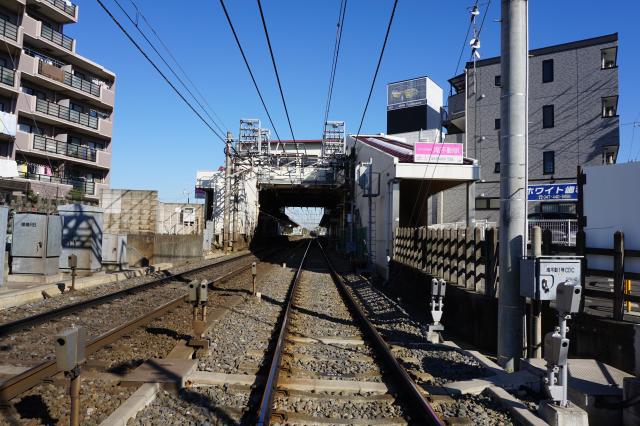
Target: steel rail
x=42, y=317
x=266, y=404
x=411, y=391
x=24, y=381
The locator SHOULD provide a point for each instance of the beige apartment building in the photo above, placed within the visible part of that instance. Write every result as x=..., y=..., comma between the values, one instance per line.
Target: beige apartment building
x=56, y=106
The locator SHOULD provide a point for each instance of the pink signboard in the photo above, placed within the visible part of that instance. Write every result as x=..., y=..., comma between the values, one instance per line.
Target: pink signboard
x=438, y=153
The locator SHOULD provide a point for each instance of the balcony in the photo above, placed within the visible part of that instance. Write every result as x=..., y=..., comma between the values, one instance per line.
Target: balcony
x=69, y=9
x=65, y=113
x=42, y=143
x=85, y=186
x=56, y=37
x=54, y=149
x=58, y=10
x=456, y=105
x=56, y=73
x=44, y=38
x=8, y=30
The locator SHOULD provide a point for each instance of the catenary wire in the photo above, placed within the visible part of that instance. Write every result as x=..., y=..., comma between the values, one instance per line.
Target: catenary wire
x=175, y=74
x=173, y=58
x=375, y=74
x=334, y=64
x=165, y=78
x=275, y=69
x=246, y=62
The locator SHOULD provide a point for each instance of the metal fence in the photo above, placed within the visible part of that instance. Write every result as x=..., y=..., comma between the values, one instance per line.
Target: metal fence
x=563, y=231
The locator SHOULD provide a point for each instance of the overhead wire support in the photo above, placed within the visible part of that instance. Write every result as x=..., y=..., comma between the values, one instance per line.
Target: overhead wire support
x=375, y=75
x=246, y=62
x=275, y=69
x=334, y=64
x=166, y=79
x=139, y=14
x=135, y=24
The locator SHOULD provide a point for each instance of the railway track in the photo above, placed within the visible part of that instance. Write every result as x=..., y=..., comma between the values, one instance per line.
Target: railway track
x=330, y=365
x=25, y=340
x=322, y=348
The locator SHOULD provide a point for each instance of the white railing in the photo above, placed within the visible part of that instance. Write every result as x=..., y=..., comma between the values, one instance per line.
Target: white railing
x=563, y=231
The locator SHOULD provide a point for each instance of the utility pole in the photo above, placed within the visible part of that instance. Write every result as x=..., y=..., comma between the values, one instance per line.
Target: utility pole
x=227, y=193
x=234, y=218
x=513, y=196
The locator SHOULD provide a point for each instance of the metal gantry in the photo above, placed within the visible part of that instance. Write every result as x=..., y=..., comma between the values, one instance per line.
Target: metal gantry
x=333, y=139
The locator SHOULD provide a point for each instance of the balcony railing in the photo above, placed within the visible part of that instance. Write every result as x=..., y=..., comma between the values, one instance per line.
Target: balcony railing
x=63, y=112
x=69, y=9
x=8, y=30
x=7, y=76
x=43, y=143
x=87, y=187
x=81, y=84
x=54, y=72
x=56, y=37
x=44, y=58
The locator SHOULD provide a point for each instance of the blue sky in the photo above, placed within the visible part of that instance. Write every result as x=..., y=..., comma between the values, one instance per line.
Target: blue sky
x=159, y=144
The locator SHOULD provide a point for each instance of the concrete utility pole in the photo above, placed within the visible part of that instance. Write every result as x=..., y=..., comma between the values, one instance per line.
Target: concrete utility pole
x=234, y=203
x=513, y=196
x=227, y=193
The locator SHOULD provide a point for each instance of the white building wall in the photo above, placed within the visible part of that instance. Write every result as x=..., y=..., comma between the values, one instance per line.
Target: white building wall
x=385, y=219
x=611, y=204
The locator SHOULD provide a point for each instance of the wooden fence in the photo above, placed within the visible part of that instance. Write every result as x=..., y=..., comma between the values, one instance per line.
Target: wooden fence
x=464, y=257
x=468, y=258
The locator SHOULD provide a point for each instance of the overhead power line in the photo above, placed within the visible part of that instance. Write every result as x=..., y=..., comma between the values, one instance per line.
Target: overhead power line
x=173, y=58
x=275, y=69
x=246, y=62
x=166, y=79
x=375, y=75
x=175, y=74
x=336, y=53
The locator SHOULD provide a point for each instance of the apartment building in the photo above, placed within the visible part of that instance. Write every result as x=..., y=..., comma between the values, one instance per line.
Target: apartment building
x=56, y=106
x=573, y=120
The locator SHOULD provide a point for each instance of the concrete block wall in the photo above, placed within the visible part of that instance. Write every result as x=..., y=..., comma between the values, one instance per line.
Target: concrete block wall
x=129, y=211
x=148, y=249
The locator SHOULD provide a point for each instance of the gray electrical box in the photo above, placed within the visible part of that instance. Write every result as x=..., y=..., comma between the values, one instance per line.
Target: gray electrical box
x=35, y=246
x=70, y=348
x=540, y=277
x=556, y=348
x=197, y=291
x=114, y=250
x=82, y=236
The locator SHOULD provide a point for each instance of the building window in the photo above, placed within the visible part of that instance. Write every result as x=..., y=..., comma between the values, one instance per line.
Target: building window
x=496, y=124
x=609, y=156
x=547, y=71
x=548, y=119
x=610, y=106
x=496, y=168
x=548, y=162
x=609, y=58
x=485, y=203
x=498, y=80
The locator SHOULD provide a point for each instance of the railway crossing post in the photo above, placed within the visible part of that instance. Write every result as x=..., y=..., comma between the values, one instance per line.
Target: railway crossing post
x=438, y=288
x=254, y=273
x=70, y=353
x=197, y=296
x=73, y=265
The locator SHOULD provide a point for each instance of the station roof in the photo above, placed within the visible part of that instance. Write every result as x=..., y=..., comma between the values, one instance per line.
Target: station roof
x=401, y=150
